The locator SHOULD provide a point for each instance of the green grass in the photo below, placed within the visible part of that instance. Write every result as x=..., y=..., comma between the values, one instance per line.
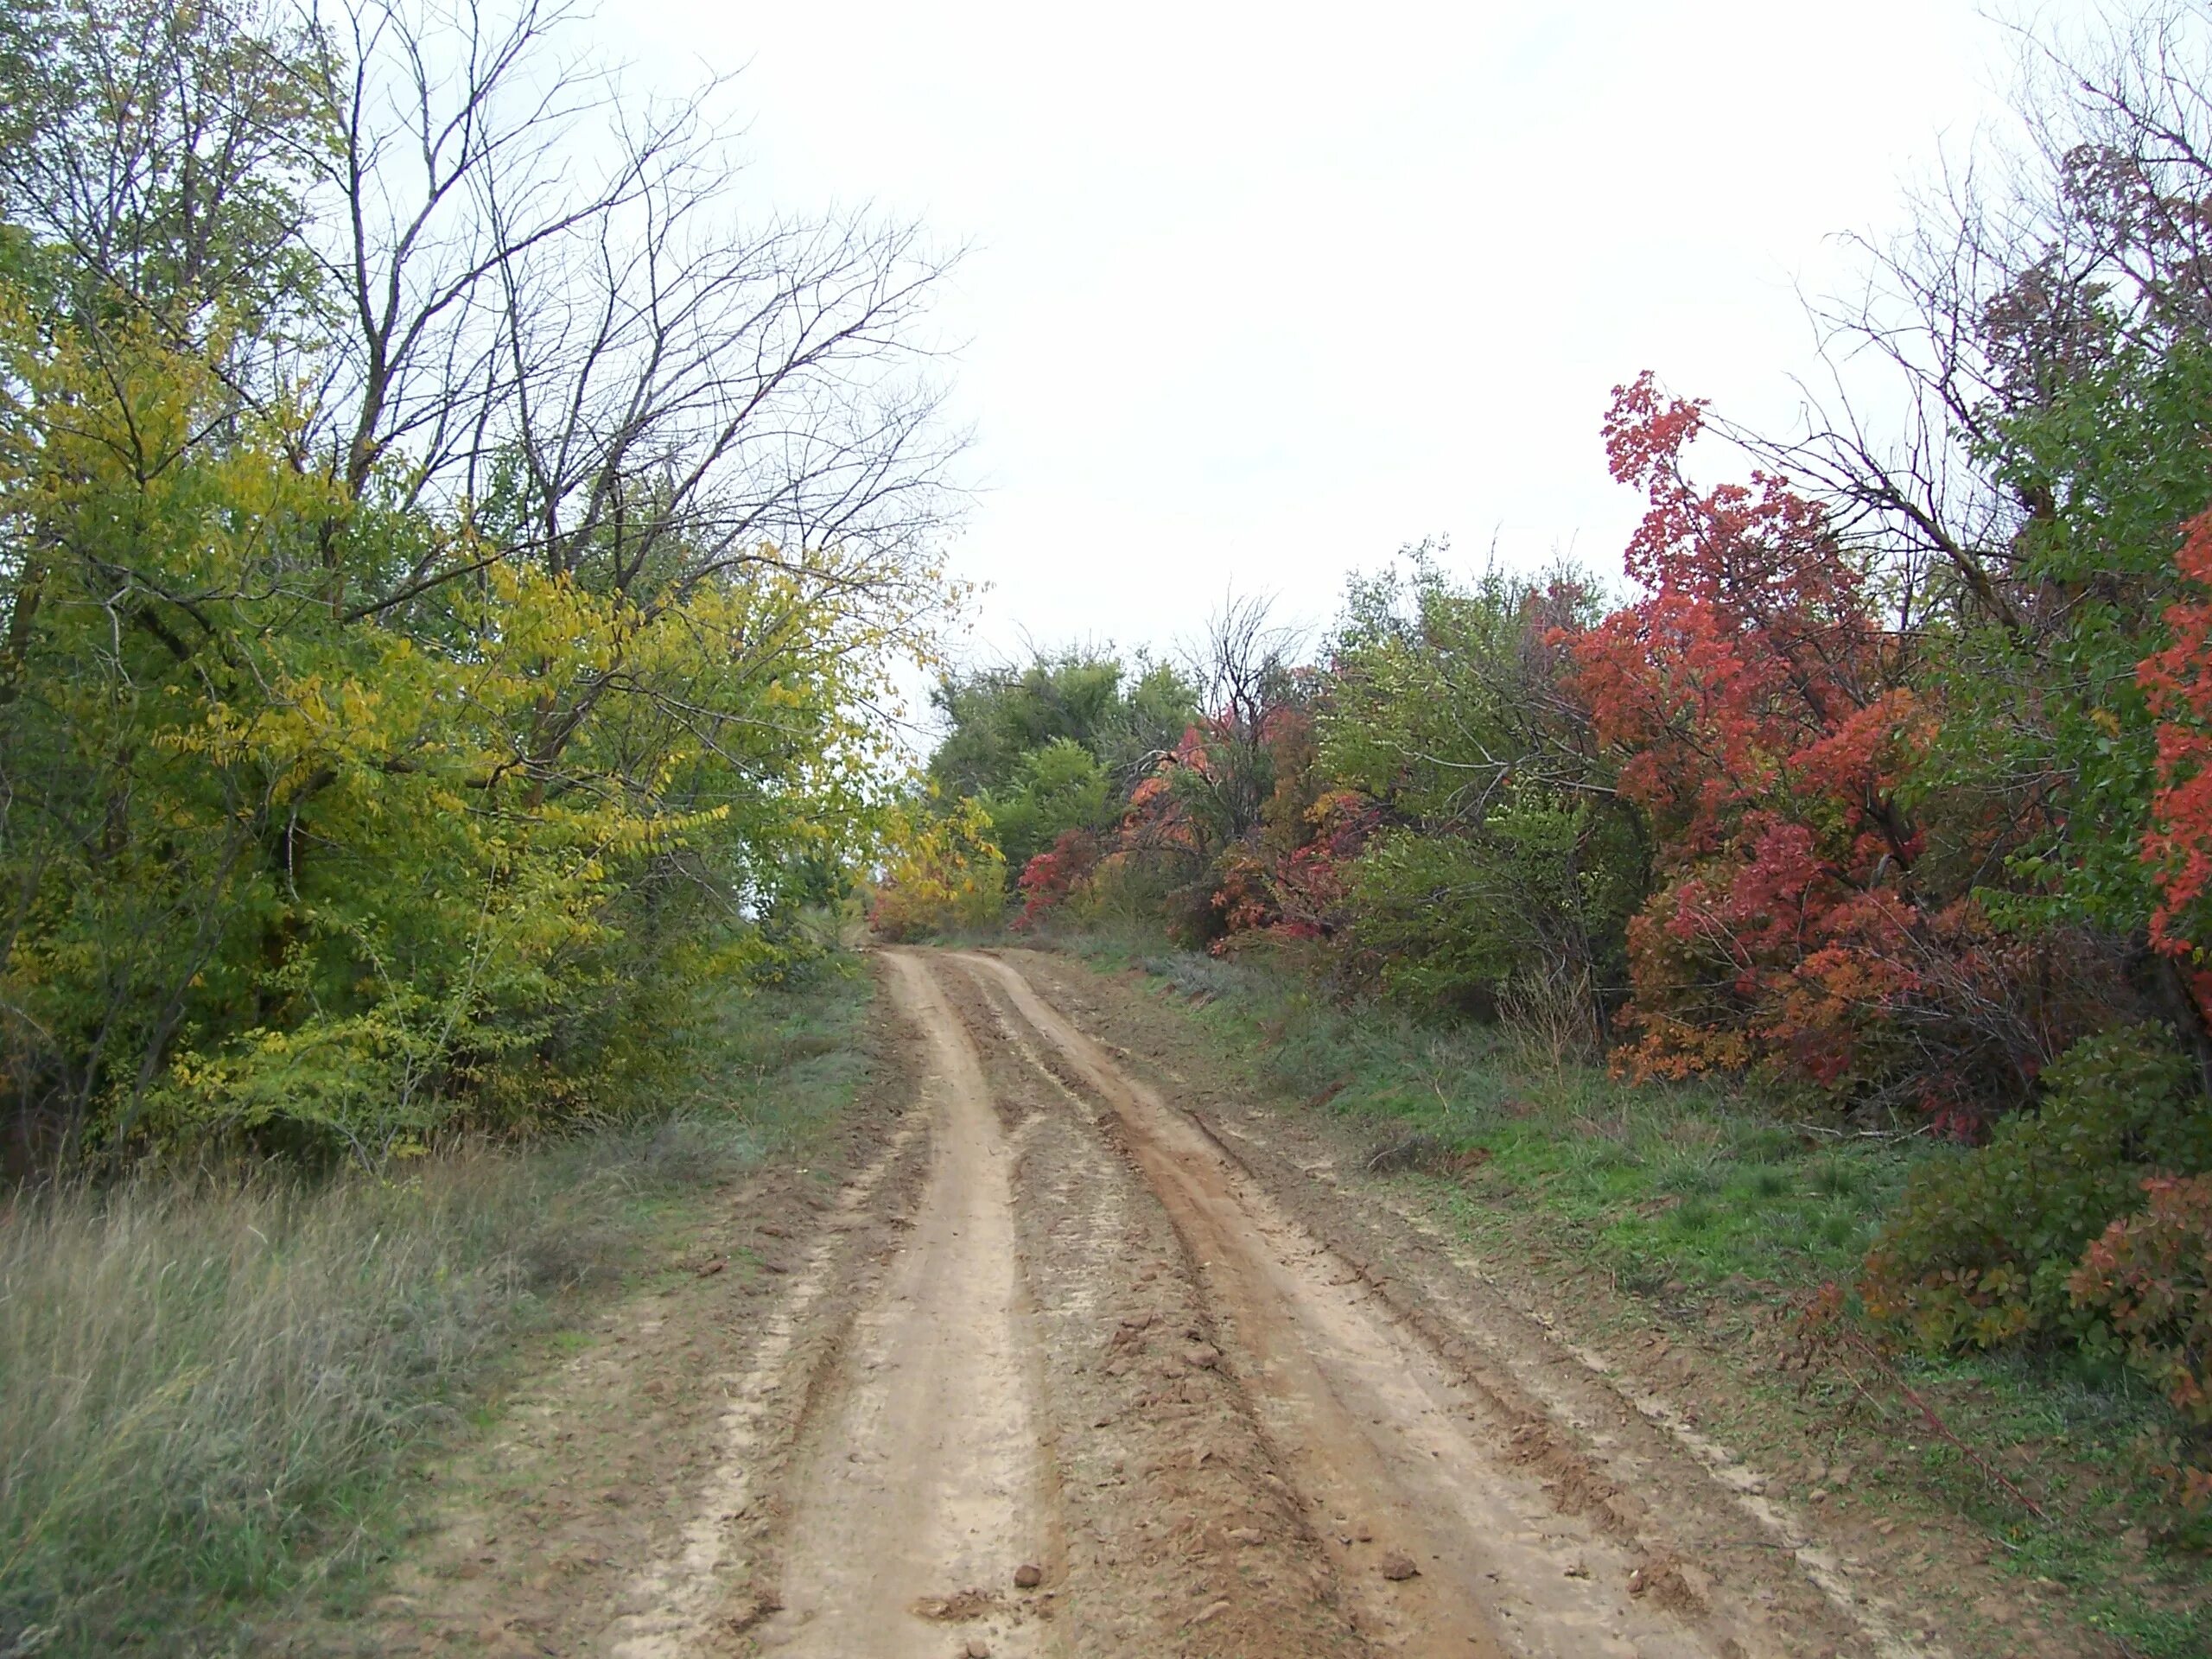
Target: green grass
x=212, y=1389
x=1692, y=1183
x=1700, y=1198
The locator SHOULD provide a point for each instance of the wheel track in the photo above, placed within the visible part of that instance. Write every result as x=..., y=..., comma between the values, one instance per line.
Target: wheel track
x=926, y=1481
x=1377, y=1433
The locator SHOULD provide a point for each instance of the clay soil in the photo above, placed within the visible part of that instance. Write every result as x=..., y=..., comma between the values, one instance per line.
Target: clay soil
x=1060, y=1353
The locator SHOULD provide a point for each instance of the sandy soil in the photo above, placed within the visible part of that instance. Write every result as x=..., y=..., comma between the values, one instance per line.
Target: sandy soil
x=1054, y=1365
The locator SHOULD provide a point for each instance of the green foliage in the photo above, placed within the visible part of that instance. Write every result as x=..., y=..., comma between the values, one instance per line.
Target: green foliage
x=1979, y=1249
x=206, y=120
x=1455, y=920
x=2047, y=716
x=274, y=866
x=1058, y=787
x=997, y=717
x=1512, y=862
x=339, y=809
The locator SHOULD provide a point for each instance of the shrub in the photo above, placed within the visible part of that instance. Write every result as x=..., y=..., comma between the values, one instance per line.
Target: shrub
x=945, y=873
x=2147, y=1284
x=1049, y=878
x=1979, y=1249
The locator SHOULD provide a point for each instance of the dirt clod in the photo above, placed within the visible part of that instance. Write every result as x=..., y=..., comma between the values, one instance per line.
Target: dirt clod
x=956, y=1609
x=1398, y=1567
x=1028, y=1576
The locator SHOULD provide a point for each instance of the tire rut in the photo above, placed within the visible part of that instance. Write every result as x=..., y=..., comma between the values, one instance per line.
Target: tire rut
x=926, y=1484
x=1398, y=1463
x=1182, y=1536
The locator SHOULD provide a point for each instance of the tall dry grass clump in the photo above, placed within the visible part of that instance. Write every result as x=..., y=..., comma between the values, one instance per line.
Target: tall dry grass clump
x=212, y=1382
x=205, y=1382
x=193, y=1376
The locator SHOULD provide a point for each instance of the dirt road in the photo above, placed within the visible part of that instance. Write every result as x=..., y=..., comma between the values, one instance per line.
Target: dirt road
x=927, y=1477
x=1052, y=1370
x=1106, y=1359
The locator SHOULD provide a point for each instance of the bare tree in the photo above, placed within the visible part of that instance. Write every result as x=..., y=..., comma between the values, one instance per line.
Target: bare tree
x=553, y=311
x=2030, y=266
x=1245, y=670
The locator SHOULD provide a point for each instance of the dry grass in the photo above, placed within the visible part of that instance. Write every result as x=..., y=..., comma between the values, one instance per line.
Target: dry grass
x=209, y=1386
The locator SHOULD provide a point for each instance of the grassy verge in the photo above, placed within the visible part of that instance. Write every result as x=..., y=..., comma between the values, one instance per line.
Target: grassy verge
x=1709, y=1212
x=211, y=1389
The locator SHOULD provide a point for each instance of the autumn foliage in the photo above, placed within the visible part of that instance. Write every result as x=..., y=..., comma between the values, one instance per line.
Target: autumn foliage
x=1766, y=728
x=2148, y=1282
x=2179, y=683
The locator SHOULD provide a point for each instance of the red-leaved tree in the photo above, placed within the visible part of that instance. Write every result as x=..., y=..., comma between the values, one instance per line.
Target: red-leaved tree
x=1767, y=727
x=2177, y=682
x=1049, y=880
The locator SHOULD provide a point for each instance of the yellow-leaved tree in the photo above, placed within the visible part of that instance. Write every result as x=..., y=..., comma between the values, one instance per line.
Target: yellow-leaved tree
x=942, y=873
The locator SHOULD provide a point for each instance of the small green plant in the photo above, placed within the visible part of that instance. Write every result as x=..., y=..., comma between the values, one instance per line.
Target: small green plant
x=1980, y=1250
x=1693, y=1216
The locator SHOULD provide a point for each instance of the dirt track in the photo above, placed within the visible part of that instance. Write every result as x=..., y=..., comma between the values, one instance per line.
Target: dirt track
x=1093, y=1303
x=1045, y=1319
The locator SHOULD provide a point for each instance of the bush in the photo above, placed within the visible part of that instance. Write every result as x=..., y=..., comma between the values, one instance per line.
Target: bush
x=2147, y=1282
x=1049, y=878
x=945, y=874
x=1979, y=1249
x=1541, y=893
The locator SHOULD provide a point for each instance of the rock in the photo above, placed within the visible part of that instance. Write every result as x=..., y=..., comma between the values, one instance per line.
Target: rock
x=977, y=1648
x=1398, y=1567
x=1247, y=1536
x=1028, y=1576
x=1204, y=1355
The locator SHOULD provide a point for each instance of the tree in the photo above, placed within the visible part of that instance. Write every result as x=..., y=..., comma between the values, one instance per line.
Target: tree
x=1508, y=859
x=1768, y=726
x=426, y=666
x=1124, y=715
x=2048, y=336
x=1055, y=789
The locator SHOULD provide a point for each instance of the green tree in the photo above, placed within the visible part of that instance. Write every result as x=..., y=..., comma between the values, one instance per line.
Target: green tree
x=1058, y=787
x=370, y=761
x=1507, y=862
x=1122, y=715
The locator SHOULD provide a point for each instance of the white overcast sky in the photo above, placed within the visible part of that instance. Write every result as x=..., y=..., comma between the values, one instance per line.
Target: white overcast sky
x=1258, y=293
